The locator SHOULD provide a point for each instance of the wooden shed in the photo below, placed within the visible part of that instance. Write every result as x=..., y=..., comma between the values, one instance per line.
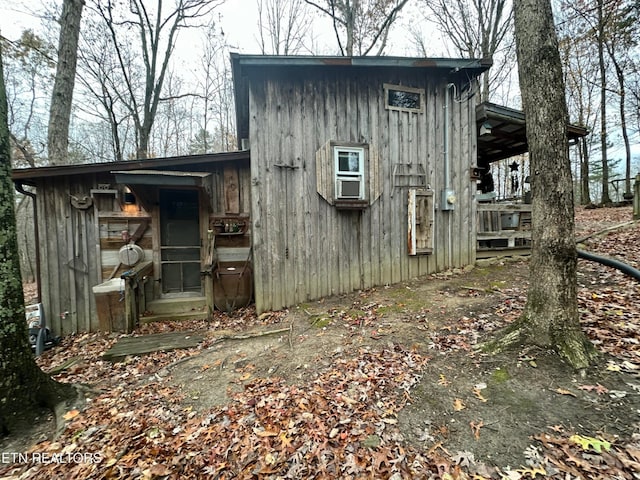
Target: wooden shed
x=362, y=170
x=122, y=240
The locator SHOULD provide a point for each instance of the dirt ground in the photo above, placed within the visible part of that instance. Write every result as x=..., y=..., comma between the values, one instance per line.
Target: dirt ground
x=509, y=398
x=480, y=409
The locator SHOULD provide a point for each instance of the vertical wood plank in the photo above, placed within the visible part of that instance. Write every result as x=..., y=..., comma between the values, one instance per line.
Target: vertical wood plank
x=311, y=248
x=231, y=190
x=259, y=137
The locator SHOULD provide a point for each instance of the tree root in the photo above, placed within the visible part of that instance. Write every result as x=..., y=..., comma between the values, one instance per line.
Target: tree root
x=576, y=350
x=508, y=338
x=579, y=352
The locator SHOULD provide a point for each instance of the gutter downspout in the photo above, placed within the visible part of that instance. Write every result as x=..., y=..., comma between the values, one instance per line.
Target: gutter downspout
x=448, y=197
x=446, y=140
x=36, y=236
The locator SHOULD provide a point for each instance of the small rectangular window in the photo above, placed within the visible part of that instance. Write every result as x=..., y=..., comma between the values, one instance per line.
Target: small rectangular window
x=405, y=99
x=349, y=162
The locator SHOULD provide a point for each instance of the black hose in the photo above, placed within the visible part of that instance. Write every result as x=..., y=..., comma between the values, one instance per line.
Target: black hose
x=610, y=262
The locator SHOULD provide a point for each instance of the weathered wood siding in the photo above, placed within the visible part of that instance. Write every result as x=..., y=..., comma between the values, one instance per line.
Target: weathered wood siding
x=68, y=240
x=79, y=248
x=304, y=247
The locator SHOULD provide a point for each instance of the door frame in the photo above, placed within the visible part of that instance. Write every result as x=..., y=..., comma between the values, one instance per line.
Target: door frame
x=203, y=212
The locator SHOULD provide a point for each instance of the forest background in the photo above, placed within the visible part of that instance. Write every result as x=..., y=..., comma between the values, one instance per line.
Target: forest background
x=154, y=80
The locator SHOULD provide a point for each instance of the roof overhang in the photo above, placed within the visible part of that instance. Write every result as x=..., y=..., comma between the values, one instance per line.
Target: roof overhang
x=306, y=61
x=167, y=163
x=502, y=132
x=143, y=183
x=161, y=178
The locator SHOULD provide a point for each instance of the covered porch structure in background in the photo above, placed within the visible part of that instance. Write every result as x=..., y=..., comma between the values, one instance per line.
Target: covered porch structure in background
x=504, y=226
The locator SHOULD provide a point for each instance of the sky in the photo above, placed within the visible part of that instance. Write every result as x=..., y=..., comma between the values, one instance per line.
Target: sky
x=239, y=19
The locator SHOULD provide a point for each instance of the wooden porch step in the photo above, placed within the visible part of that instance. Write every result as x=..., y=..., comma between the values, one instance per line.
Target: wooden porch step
x=169, y=317
x=176, y=305
x=144, y=344
x=179, y=308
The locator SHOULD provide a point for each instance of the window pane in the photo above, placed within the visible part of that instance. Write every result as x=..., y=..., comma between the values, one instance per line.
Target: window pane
x=349, y=161
x=402, y=99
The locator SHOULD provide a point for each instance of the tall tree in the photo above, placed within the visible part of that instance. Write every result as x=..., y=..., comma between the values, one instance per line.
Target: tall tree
x=477, y=29
x=214, y=92
x=29, y=69
x=156, y=29
x=610, y=29
x=101, y=82
x=600, y=36
x=550, y=317
x=360, y=25
x=621, y=38
x=60, y=110
x=23, y=386
x=283, y=26
x=577, y=53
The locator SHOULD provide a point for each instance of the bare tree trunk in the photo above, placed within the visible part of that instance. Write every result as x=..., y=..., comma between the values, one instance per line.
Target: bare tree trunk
x=550, y=318
x=157, y=30
x=606, y=199
x=365, y=23
x=585, y=190
x=60, y=112
x=476, y=28
x=620, y=74
x=23, y=386
x=283, y=25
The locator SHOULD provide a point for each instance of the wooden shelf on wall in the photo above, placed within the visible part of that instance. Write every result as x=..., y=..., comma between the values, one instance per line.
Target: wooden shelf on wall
x=229, y=225
x=124, y=215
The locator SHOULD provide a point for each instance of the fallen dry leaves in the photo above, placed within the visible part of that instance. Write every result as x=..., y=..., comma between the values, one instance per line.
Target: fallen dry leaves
x=342, y=423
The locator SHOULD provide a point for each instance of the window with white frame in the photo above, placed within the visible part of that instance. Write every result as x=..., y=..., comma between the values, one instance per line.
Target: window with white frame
x=349, y=173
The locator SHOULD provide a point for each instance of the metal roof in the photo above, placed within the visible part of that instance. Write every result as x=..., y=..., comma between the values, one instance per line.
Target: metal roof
x=504, y=134
x=26, y=174
x=454, y=64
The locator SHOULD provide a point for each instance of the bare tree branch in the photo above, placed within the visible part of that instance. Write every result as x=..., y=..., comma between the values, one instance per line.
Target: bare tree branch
x=365, y=23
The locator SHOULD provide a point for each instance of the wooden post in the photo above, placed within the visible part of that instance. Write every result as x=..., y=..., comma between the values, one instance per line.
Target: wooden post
x=134, y=297
x=130, y=310
x=636, y=198
x=207, y=271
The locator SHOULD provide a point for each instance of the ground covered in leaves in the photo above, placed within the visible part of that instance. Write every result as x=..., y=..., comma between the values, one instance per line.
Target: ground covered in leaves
x=383, y=383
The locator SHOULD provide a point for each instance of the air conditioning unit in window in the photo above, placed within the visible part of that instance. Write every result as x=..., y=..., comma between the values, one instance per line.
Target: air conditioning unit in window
x=349, y=188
